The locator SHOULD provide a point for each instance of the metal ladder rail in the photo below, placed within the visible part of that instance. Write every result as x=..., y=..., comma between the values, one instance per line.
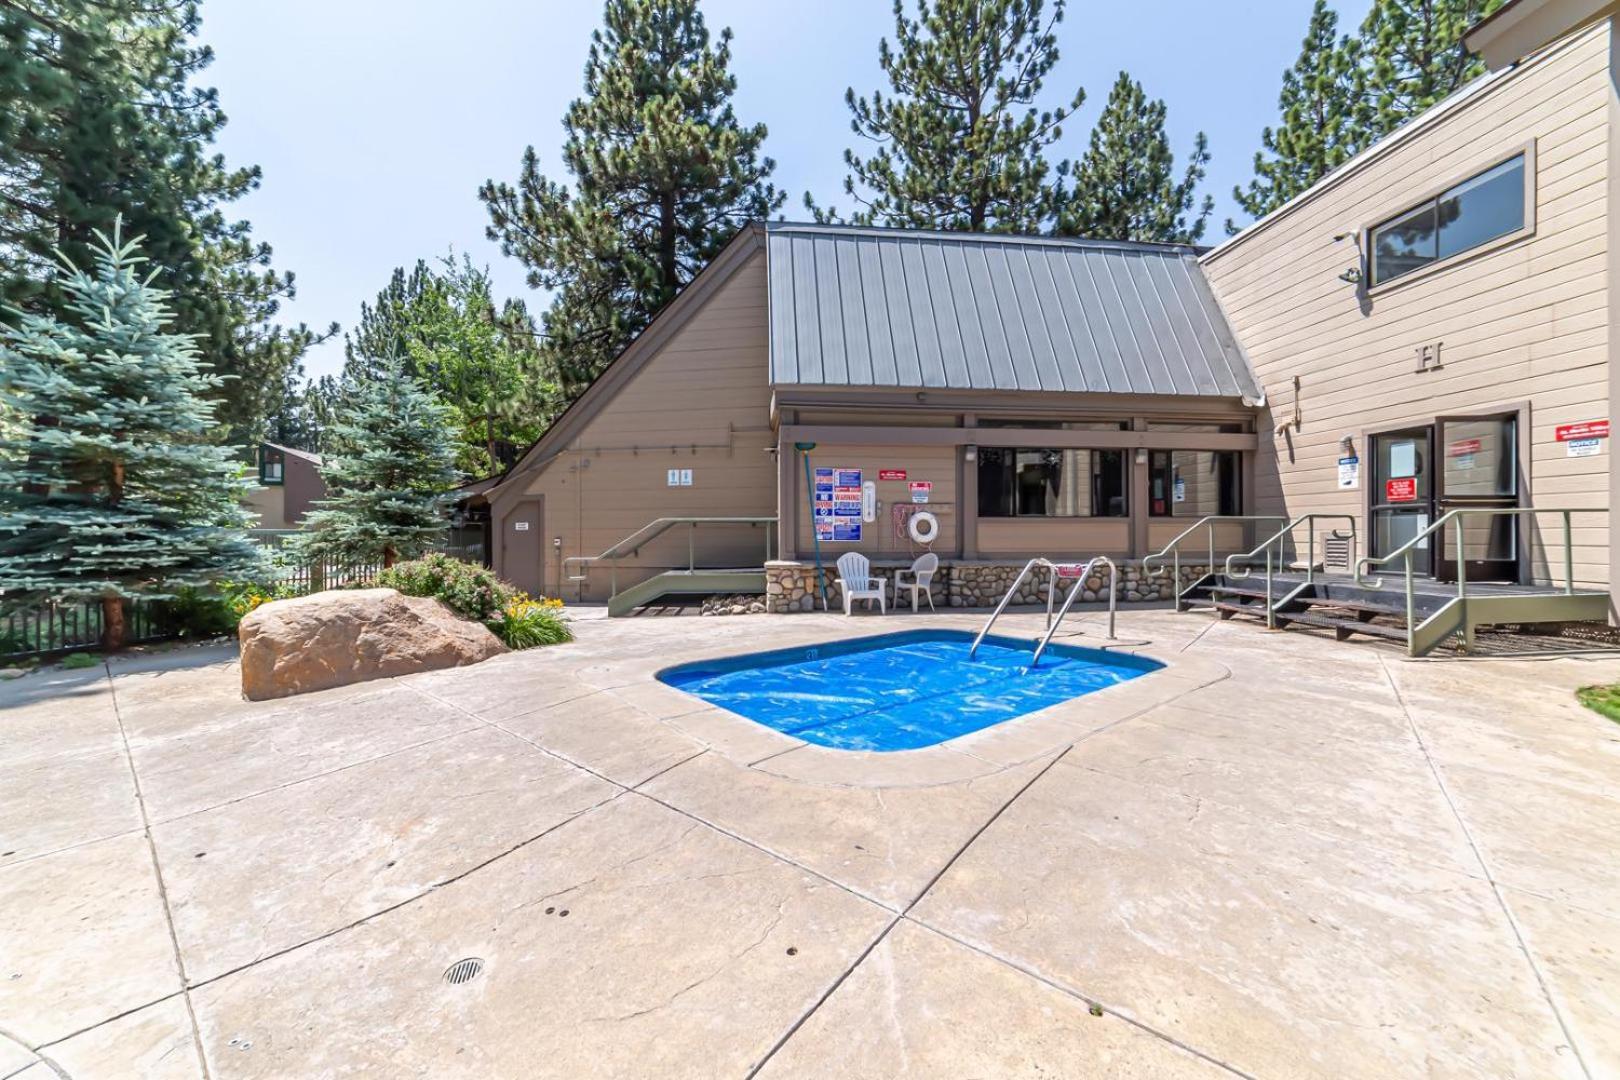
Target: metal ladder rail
x=1013, y=591
x=1074, y=591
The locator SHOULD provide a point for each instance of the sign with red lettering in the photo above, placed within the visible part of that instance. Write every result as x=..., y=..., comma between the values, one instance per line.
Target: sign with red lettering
x=1586, y=429
x=1401, y=489
x=891, y=474
x=920, y=490
x=1070, y=569
x=1463, y=447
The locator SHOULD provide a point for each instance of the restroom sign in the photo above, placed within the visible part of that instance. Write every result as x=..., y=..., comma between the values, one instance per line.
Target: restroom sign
x=1401, y=489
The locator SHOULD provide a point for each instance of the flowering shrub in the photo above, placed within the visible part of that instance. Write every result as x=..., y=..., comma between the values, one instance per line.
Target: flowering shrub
x=526, y=623
x=470, y=591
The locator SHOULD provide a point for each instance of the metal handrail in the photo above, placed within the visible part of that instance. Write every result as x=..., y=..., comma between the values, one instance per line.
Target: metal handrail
x=1459, y=515
x=1051, y=594
x=1173, y=548
x=1275, y=541
x=656, y=528
x=1074, y=591
x=1012, y=591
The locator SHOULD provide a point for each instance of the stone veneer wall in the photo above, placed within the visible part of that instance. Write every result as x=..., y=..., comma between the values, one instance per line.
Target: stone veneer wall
x=791, y=586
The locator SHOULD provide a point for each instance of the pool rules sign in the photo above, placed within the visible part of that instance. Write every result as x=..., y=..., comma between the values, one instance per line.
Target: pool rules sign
x=836, y=505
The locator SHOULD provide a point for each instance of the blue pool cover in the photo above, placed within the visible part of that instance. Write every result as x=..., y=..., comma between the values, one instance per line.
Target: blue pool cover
x=900, y=691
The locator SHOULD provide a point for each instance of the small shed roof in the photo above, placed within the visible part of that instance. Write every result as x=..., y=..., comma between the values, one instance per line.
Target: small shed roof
x=968, y=311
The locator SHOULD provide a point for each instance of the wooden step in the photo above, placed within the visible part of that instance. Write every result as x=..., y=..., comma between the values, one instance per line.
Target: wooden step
x=1342, y=628
x=1228, y=610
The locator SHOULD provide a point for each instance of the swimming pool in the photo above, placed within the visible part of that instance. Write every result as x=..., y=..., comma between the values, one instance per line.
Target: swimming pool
x=900, y=691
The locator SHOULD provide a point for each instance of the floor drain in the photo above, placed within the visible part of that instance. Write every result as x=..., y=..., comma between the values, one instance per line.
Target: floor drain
x=463, y=971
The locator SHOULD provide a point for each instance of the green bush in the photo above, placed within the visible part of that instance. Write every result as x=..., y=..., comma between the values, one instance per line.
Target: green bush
x=75, y=661
x=195, y=613
x=470, y=591
x=526, y=624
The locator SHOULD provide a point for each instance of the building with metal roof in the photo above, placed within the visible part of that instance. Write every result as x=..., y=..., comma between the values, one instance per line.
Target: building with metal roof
x=885, y=307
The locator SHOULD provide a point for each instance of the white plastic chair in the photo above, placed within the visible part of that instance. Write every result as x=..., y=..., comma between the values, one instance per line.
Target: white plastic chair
x=856, y=580
x=921, y=576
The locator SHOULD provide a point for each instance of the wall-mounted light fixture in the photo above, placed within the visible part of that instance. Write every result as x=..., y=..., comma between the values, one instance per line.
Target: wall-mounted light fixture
x=1347, y=443
x=1352, y=276
x=970, y=454
x=1141, y=455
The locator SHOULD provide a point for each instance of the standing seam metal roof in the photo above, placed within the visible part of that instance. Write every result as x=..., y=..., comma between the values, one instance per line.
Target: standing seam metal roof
x=969, y=311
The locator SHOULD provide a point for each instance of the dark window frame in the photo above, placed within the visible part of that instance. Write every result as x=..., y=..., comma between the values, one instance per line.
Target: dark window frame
x=1229, y=493
x=1525, y=154
x=1011, y=463
x=267, y=457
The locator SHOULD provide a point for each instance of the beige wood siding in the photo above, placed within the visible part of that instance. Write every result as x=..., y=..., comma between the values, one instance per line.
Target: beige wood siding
x=880, y=539
x=1522, y=323
x=1055, y=538
x=701, y=403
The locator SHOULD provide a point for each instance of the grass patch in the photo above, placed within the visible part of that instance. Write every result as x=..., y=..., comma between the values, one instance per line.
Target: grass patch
x=1603, y=700
x=79, y=660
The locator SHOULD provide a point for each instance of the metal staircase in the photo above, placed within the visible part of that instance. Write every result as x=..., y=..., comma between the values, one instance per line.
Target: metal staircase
x=1420, y=613
x=692, y=581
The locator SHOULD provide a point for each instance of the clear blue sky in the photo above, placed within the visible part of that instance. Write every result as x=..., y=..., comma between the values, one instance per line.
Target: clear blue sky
x=376, y=120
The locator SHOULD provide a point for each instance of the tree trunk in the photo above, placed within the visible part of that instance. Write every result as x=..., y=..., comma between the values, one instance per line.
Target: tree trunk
x=666, y=243
x=389, y=556
x=113, y=629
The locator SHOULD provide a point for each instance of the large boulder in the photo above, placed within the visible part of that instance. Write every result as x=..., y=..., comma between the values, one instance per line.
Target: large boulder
x=350, y=635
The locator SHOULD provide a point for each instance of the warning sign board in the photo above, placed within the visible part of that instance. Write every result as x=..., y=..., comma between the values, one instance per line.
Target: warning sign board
x=1586, y=429
x=1401, y=489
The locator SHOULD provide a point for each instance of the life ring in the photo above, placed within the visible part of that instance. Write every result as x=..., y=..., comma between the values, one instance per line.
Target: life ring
x=923, y=527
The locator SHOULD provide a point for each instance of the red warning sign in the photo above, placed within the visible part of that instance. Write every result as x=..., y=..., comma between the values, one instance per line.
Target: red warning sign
x=1401, y=489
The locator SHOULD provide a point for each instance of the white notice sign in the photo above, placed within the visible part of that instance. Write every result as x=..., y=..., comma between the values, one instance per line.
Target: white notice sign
x=1349, y=473
x=521, y=526
x=1584, y=447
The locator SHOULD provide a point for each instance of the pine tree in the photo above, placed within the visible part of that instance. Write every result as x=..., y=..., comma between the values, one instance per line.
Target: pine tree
x=1125, y=186
x=1415, y=56
x=442, y=323
x=1324, y=119
x=959, y=142
x=389, y=468
x=663, y=176
x=109, y=489
x=99, y=118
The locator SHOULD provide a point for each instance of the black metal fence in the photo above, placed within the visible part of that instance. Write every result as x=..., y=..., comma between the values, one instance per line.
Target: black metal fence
x=72, y=627
x=56, y=629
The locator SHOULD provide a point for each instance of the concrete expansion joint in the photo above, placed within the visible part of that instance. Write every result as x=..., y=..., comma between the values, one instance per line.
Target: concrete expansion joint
x=1490, y=877
x=157, y=871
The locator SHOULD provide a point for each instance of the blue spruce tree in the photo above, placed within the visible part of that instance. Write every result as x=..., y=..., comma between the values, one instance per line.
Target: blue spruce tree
x=110, y=488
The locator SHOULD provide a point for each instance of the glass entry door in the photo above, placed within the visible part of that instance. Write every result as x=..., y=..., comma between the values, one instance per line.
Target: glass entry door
x=1402, y=494
x=1479, y=468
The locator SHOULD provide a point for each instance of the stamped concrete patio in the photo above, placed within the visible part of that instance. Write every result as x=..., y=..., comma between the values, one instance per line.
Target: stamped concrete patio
x=1279, y=857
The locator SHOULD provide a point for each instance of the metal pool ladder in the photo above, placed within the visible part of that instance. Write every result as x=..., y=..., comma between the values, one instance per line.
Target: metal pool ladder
x=1054, y=571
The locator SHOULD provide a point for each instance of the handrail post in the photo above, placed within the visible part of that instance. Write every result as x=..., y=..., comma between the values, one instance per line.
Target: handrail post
x=1310, y=553
x=1175, y=586
x=1569, y=553
x=1051, y=594
x=1113, y=594
x=1462, y=583
x=691, y=546
x=1271, y=618
x=1411, y=604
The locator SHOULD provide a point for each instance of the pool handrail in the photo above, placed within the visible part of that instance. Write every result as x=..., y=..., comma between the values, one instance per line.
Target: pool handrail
x=1051, y=595
x=1074, y=591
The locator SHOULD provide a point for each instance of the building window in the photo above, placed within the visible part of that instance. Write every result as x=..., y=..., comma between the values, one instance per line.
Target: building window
x=271, y=464
x=1193, y=483
x=1051, y=483
x=1469, y=215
